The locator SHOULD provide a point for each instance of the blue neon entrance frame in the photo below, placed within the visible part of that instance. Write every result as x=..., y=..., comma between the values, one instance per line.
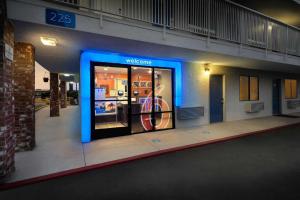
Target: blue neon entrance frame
x=85, y=90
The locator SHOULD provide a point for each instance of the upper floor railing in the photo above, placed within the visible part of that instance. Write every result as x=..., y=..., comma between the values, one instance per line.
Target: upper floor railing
x=216, y=19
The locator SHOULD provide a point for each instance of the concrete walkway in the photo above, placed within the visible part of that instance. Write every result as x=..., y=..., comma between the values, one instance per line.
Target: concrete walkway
x=59, y=148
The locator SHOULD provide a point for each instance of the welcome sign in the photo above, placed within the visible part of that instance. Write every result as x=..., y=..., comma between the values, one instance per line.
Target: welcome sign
x=137, y=61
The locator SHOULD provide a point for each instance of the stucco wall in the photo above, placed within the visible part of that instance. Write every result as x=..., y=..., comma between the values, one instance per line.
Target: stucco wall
x=40, y=73
x=196, y=92
x=234, y=107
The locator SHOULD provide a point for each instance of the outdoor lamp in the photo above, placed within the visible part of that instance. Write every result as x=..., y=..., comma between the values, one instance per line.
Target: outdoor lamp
x=206, y=69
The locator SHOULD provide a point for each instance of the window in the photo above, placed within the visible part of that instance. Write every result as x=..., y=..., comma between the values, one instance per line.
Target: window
x=249, y=88
x=254, y=89
x=290, y=88
x=244, y=88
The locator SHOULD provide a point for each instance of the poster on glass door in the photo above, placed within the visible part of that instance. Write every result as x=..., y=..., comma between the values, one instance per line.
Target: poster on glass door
x=100, y=93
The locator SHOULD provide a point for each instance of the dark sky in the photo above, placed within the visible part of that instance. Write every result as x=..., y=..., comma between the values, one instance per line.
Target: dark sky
x=287, y=11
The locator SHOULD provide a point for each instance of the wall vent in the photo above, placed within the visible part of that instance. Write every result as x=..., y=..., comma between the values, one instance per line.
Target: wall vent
x=190, y=113
x=254, y=107
x=293, y=104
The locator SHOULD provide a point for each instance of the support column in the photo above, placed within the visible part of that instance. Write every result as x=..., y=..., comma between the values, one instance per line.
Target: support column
x=24, y=91
x=54, y=95
x=7, y=141
x=63, y=94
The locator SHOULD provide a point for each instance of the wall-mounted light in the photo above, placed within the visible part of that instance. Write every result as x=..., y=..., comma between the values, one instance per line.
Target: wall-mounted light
x=45, y=78
x=105, y=69
x=47, y=41
x=206, y=69
x=67, y=75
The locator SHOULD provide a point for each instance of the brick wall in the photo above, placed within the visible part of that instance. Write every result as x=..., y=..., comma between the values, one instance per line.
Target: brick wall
x=54, y=95
x=7, y=140
x=24, y=90
x=63, y=94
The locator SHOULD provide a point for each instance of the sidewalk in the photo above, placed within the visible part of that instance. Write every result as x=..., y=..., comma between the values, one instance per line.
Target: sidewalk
x=59, y=148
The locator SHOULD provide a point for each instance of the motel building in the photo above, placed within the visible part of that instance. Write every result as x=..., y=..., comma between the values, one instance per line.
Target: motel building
x=144, y=67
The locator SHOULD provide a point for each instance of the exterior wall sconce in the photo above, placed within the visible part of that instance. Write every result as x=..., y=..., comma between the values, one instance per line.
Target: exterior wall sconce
x=206, y=69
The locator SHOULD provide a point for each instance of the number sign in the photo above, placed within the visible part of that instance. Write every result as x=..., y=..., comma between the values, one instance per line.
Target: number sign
x=60, y=18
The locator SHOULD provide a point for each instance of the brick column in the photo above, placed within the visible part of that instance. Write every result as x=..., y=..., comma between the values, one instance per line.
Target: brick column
x=24, y=90
x=7, y=141
x=54, y=95
x=63, y=94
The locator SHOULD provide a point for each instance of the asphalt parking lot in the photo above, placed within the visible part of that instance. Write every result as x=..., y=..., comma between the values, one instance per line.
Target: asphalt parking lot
x=261, y=166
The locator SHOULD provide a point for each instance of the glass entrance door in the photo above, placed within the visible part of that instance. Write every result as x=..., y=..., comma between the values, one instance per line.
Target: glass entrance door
x=130, y=99
x=151, y=99
x=111, y=101
x=163, y=92
x=142, y=119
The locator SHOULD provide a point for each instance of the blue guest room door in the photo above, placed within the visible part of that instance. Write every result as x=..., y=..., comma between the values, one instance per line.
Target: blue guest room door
x=216, y=98
x=276, y=97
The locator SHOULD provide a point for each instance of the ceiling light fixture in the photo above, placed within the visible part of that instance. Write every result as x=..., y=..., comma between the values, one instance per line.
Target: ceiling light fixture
x=47, y=41
x=67, y=75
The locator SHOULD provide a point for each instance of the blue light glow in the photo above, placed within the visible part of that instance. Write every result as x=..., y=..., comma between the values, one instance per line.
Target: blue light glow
x=88, y=56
